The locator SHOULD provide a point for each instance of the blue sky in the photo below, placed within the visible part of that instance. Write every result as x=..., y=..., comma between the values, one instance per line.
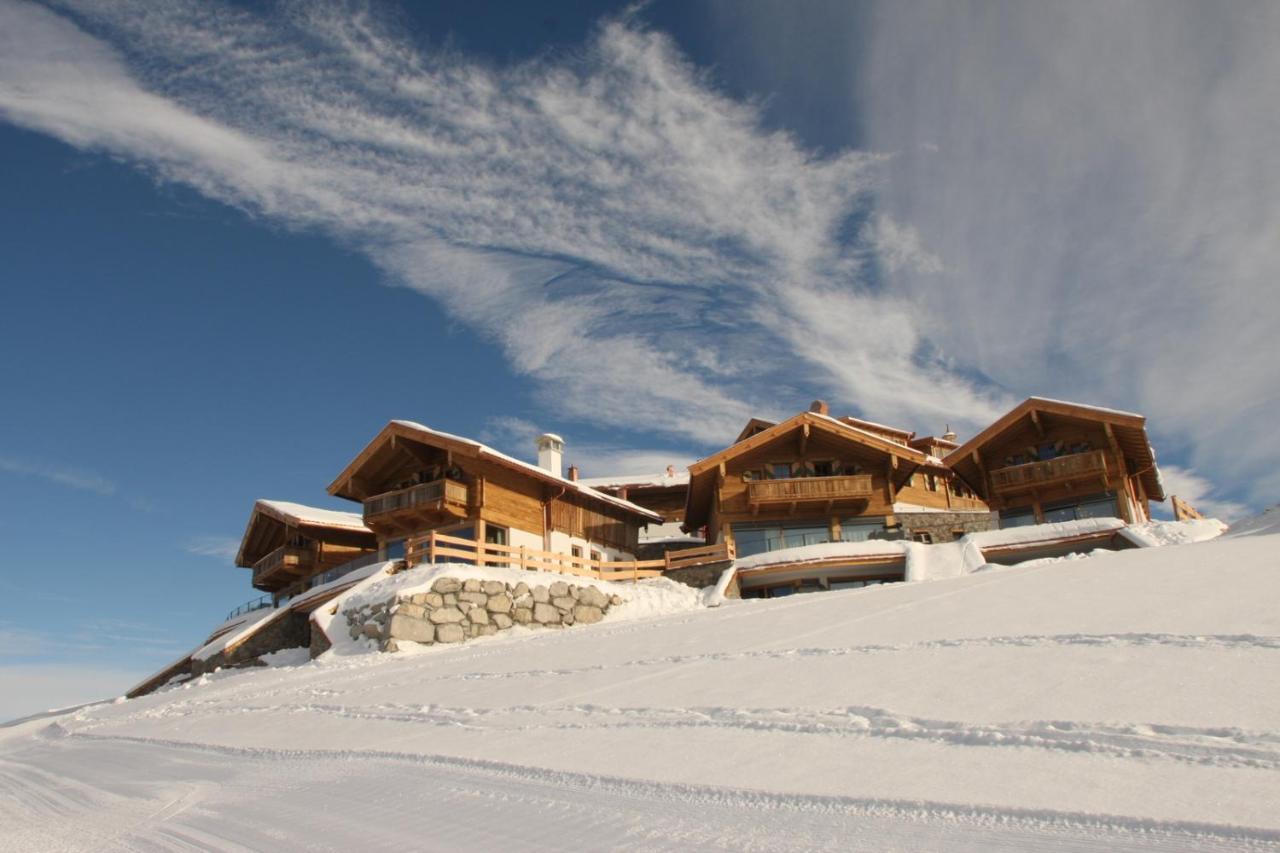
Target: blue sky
x=239, y=238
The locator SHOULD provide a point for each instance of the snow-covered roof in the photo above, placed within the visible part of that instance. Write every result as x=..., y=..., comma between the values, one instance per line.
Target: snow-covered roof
x=1100, y=409
x=822, y=552
x=1044, y=532
x=300, y=514
x=485, y=451
x=637, y=481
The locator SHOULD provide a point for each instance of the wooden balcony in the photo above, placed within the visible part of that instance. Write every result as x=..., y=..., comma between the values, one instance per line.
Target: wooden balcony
x=425, y=501
x=284, y=563
x=1082, y=467
x=798, y=490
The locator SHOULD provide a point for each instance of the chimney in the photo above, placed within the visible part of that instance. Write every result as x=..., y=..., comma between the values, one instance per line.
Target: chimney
x=949, y=435
x=550, y=453
x=671, y=470
x=573, y=473
x=820, y=407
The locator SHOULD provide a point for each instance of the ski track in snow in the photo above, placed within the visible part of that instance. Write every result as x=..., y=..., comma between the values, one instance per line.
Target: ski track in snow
x=486, y=805
x=1212, y=746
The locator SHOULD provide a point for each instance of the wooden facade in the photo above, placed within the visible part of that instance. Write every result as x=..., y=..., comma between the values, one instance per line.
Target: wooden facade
x=1048, y=460
x=665, y=494
x=823, y=477
x=412, y=480
x=287, y=544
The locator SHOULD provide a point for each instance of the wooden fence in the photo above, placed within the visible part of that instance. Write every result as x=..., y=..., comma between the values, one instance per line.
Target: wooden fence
x=435, y=547
x=1183, y=511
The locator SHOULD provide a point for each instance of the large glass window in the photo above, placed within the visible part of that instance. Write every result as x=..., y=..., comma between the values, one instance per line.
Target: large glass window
x=1094, y=506
x=1017, y=517
x=757, y=538
x=861, y=529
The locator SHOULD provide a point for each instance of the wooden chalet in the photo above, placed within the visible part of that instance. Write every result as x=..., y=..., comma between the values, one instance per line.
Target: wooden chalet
x=1049, y=460
x=288, y=544
x=665, y=494
x=814, y=478
x=413, y=480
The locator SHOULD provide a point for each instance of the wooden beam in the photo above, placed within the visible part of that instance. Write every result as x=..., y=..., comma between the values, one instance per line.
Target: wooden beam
x=1035, y=420
x=804, y=438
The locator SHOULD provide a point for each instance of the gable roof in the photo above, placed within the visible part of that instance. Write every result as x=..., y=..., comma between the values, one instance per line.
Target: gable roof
x=468, y=448
x=312, y=520
x=1129, y=429
x=701, y=472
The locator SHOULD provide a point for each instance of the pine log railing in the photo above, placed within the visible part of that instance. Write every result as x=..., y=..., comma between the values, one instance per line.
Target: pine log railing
x=423, y=494
x=800, y=489
x=434, y=547
x=1074, y=466
x=296, y=556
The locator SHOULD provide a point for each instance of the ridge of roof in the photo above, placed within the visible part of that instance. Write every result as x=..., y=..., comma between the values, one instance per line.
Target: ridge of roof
x=574, y=485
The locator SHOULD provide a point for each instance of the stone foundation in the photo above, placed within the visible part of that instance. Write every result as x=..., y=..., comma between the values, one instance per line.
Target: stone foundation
x=700, y=577
x=455, y=611
x=943, y=526
x=287, y=630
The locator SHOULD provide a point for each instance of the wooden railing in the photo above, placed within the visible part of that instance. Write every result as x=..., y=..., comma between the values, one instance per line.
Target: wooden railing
x=423, y=494
x=1031, y=474
x=292, y=555
x=1183, y=511
x=800, y=489
x=437, y=547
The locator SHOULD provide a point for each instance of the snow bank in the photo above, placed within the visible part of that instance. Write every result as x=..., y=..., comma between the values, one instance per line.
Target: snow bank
x=823, y=551
x=1043, y=532
x=1153, y=534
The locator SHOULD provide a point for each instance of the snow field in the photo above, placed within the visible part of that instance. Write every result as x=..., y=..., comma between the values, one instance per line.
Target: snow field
x=1122, y=701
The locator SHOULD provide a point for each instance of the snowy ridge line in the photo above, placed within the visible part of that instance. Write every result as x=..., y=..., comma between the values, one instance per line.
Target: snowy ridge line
x=1225, y=747
x=710, y=795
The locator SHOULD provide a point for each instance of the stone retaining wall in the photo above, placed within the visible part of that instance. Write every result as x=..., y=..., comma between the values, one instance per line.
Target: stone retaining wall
x=457, y=610
x=286, y=630
x=942, y=526
x=700, y=577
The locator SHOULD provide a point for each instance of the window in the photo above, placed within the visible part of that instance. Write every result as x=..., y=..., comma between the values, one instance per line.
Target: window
x=861, y=529
x=824, y=468
x=596, y=555
x=780, y=470
x=575, y=550
x=1094, y=506
x=757, y=538
x=394, y=549
x=495, y=535
x=923, y=536
x=932, y=482
x=1020, y=517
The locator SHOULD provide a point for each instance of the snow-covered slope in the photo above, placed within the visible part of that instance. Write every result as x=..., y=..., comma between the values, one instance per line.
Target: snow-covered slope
x=1122, y=701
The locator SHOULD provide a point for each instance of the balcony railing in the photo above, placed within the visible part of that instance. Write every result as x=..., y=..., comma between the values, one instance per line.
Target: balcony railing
x=809, y=489
x=435, y=494
x=286, y=556
x=1075, y=466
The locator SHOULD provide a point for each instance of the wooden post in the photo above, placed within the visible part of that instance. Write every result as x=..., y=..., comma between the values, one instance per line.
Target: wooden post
x=431, y=548
x=524, y=562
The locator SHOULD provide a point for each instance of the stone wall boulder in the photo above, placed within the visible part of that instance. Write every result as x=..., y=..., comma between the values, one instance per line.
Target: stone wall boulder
x=455, y=611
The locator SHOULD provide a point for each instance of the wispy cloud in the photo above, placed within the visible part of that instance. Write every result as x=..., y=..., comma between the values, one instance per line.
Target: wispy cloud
x=72, y=478
x=636, y=242
x=1101, y=186
x=222, y=547
x=1200, y=493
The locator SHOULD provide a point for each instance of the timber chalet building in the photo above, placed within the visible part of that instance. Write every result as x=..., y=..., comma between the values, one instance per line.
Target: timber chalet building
x=813, y=479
